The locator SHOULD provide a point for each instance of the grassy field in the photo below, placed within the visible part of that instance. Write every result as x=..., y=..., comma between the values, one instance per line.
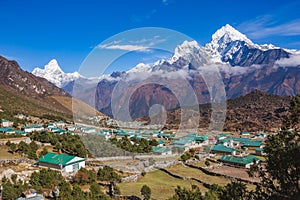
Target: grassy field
x=4, y=154
x=162, y=185
x=195, y=173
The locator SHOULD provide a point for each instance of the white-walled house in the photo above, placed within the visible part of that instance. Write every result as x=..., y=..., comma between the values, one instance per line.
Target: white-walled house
x=29, y=129
x=88, y=130
x=62, y=162
x=60, y=124
x=6, y=123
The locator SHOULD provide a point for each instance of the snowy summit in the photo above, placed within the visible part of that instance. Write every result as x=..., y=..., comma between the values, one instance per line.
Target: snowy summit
x=53, y=73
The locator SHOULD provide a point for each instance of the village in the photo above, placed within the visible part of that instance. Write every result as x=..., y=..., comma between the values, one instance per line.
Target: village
x=211, y=153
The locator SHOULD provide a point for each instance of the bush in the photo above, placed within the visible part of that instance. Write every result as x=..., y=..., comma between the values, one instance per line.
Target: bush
x=207, y=163
x=107, y=174
x=146, y=192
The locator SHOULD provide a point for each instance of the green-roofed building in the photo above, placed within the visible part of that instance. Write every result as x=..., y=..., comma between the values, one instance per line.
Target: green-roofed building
x=123, y=134
x=58, y=130
x=244, y=142
x=161, y=142
x=62, y=162
x=161, y=150
x=245, y=161
x=201, y=139
x=219, y=148
x=260, y=151
x=166, y=136
x=19, y=132
x=7, y=130
x=29, y=129
x=252, y=144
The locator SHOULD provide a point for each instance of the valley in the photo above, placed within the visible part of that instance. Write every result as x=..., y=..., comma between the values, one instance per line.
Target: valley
x=212, y=121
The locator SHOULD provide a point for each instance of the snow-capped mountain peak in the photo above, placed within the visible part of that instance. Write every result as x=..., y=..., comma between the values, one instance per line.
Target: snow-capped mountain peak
x=190, y=50
x=224, y=36
x=53, y=66
x=227, y=42
x=141, y=67
x=228, y=34
x=53, y=73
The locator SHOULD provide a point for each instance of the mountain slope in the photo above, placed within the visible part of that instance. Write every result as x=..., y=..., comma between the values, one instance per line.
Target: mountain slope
x=256, y=111
x=22, y=92
x=244, y=67
x=13, y=102
x=13, y=76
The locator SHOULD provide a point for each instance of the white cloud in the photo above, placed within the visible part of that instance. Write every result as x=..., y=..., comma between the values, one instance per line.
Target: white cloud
x=166, y=2
x=142, y=45
x=293, y=61
x=277, y=22
x=125, y=47
x=265, y=26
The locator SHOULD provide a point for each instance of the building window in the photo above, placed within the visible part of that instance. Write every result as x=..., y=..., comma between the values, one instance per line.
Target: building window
x=76, y=167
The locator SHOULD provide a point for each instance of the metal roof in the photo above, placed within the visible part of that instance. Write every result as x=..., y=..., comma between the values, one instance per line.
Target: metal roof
x=58, y=159
x=157, y=149
x=240, y=160
x=222, y=148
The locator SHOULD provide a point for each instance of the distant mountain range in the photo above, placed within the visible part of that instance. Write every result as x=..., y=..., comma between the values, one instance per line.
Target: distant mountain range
x=243, y=65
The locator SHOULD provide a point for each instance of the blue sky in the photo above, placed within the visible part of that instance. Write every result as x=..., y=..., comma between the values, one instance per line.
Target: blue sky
x=34, y=31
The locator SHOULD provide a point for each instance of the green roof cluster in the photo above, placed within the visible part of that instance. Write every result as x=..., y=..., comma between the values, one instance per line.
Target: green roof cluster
x=246, y=142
